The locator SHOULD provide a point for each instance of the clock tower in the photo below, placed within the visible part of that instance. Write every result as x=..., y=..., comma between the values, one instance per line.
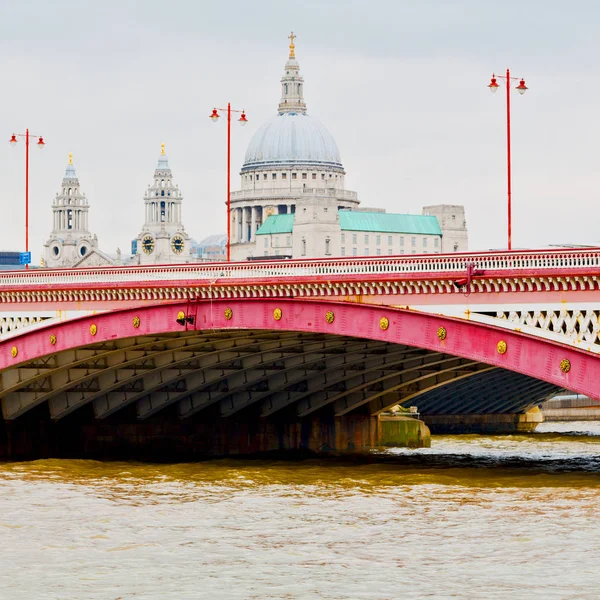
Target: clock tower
x=163, y=238
x=70, y=242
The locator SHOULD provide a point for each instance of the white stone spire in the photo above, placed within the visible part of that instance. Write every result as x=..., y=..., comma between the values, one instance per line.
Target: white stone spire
x=292, y=84
x=70, y=239
x=163, y=238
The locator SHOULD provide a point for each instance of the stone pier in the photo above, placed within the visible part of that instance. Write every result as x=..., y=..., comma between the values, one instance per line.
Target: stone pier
x=485, y=424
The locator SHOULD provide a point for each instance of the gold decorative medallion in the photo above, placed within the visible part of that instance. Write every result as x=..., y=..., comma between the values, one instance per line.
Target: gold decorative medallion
x=228, y=314
x=14, y=351
x=93, y=329
x=136, y=322
x=501, y=347
x=329, y=317
x=442, y=333
x=384, y=323
x=180, y=315
x=565, y=365
x=277, y=314
x=52, y=339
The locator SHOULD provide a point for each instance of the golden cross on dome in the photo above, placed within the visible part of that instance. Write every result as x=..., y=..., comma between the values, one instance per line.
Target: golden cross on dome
x=70, y=158
x=292, y=37
x=162, y=148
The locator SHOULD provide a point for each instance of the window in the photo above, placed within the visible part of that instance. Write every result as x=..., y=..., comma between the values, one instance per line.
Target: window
x=322, y=175
x=413, y=241
x=343, y=238
x=366, y=238
x=314, y=175
x=256, y=177
x=276, y=252
x=401, y=240
x=424, y=242
x=266, y=242
x=284, y=176
x=266, y=253
x=436, y=242
x=378, y=240
x=288, y=240
x=343, y=251
x=354, y=252
x=389, y=240
x=264, y=175
x=366, y=252
x=354, y=238
x=276, y=241
x=378, y=251
x=327, y=246
x=293, y=175
x=304, y=175
x=274, y=175
x=453, y=217
x=390, y=251
x=455, y=247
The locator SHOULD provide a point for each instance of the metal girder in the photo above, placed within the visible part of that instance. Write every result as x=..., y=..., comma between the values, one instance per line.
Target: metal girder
x=109, y=399
x=350, y=402
x=409, y=368
x=120, y=365
x=493, y=391
x=195, y=400
x=272, y=346
x=274, y=402
x=239, y=400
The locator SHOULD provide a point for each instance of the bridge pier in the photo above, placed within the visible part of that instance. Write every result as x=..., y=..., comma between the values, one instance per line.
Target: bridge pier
x=489, y=424
x=36, y=436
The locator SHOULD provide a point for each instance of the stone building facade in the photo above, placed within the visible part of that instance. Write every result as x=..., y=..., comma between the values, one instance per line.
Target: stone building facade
x=70, y=243
x=163, y=238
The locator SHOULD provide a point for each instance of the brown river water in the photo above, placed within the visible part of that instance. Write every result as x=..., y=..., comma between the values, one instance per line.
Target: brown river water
x=472, y=517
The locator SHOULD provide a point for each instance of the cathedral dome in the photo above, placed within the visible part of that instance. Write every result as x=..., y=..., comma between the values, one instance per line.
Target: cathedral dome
x=292, y=138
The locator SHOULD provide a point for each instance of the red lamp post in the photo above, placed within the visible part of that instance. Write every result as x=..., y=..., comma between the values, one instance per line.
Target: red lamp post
x=40, y=144
x=242, y=121
x=521, y=88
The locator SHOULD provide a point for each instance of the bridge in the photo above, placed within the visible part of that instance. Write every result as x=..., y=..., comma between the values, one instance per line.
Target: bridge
x=296, y=354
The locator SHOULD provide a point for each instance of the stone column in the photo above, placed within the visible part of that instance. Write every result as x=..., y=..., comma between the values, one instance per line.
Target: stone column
x=253, y=224
x=244, y=224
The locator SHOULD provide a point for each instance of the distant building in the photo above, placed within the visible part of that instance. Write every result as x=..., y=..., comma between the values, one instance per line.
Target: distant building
x=212, y=248
x=293, y=201
x=162, y=238
x=71, y=244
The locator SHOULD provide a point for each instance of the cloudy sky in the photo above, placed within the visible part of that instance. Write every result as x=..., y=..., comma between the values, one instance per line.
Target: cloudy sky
x=401, y=84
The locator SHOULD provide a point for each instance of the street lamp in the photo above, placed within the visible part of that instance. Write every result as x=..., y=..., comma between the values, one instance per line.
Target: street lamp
x=242, y=121
x=40, y=144
x=521, y=88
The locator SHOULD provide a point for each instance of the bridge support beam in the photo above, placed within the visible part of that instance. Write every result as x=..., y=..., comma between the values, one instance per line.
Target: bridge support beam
x=487, y=424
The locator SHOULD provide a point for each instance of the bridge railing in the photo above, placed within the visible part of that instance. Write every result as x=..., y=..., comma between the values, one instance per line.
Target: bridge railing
x=509, y=262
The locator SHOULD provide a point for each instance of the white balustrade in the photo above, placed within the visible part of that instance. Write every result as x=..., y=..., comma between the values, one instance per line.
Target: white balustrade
x=516, y=263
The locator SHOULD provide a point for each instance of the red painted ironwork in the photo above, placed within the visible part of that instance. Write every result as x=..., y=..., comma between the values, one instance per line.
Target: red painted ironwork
x=536, y=357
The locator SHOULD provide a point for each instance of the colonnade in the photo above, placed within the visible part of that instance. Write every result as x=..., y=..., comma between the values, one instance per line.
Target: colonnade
x=172, y=211
x=246, y=220
x=79, y=218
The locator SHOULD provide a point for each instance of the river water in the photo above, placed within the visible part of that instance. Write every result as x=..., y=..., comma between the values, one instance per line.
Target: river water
x=472, y=517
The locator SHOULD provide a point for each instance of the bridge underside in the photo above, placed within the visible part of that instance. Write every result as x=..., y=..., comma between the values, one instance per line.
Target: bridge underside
x=221, y=379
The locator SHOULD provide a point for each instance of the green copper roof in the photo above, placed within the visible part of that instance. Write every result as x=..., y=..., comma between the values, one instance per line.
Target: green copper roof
x=388, y=223
x=276, y=224
x=362, y=221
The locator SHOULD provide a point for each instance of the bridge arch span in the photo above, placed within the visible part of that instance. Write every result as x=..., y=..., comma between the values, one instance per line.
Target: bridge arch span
x=144, y=356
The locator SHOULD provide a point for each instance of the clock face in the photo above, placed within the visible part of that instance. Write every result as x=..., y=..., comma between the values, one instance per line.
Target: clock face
x=148, y=244
x=177, y=244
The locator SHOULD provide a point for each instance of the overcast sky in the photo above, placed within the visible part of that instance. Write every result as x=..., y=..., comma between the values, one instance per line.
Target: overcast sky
x=400, y=84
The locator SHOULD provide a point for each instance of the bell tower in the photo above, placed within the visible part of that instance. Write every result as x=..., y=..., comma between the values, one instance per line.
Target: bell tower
x=163, y=238
x=292, y=84
x=70, y=239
